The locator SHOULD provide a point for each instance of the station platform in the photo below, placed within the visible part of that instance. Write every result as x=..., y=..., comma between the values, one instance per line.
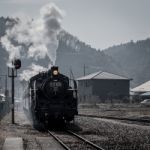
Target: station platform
x=13, y=143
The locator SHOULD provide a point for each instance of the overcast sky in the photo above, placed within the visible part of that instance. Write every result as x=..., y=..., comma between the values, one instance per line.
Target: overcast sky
x=100, y=23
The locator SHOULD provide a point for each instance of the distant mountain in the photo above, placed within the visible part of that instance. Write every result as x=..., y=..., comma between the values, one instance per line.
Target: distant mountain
x=74, y=54
x=133, y=58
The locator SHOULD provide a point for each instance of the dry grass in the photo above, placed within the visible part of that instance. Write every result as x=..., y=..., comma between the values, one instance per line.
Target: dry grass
x=116, y=110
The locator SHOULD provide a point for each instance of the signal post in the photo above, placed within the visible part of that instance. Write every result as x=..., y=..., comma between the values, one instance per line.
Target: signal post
x=16, y=65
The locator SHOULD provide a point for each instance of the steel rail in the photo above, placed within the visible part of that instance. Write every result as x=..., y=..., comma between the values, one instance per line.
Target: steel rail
x=85, y=140
x=116, y=118
x=59, y=140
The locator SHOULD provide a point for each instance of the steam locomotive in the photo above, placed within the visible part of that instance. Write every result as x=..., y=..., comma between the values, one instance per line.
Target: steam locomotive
x=51, y=97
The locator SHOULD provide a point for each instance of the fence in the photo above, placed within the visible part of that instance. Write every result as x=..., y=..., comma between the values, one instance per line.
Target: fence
x=4, y=107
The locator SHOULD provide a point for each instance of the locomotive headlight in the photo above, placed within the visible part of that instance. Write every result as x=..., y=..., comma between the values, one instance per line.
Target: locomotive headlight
x=55, y=72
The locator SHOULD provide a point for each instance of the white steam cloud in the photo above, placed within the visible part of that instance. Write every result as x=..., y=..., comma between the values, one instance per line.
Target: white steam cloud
x=31, y=71
x=34, y=38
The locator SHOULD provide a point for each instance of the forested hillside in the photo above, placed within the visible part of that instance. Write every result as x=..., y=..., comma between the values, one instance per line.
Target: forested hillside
x=134, y=59
x=74, y=54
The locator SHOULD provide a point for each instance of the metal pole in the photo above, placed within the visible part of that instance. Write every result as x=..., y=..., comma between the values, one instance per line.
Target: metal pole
x=13, y=117
x=6, y=87
x=84, y=70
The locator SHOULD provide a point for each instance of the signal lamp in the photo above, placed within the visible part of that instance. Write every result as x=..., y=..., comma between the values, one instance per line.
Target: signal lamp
x=17, y=63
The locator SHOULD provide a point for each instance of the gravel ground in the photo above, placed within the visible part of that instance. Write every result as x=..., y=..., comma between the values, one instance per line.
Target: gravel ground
x=108, y=134
x=112, y=135
x=72, y=142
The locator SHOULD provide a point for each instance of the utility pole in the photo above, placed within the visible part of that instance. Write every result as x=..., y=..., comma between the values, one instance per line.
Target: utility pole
x=84, y=70
x=6, y=87
x=12, y=94
x=12, y=75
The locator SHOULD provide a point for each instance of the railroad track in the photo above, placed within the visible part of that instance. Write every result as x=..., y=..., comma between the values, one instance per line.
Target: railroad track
x=59, y=140
x=79, y=142
x=117, y=118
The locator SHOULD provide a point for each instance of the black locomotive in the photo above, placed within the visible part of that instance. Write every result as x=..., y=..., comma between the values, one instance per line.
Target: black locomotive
x=50, y=97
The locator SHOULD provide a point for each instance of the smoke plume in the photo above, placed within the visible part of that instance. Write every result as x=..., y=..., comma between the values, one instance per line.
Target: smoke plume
x=34, y=38
x=31, y=71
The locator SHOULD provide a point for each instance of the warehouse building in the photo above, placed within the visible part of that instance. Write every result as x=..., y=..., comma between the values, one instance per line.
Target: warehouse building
x=103, y=87
x=141, y=92
x=143, y=88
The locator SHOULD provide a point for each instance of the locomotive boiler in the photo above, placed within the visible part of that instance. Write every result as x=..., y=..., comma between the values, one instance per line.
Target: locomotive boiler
x=50, y=97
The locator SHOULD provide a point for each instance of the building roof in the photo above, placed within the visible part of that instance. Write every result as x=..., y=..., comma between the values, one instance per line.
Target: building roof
x=145, y=87
x=103, y=76
x=2, y=95
x=146, y=94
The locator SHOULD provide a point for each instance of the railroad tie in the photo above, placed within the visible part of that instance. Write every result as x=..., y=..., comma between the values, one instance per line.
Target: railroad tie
x=49, y=143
